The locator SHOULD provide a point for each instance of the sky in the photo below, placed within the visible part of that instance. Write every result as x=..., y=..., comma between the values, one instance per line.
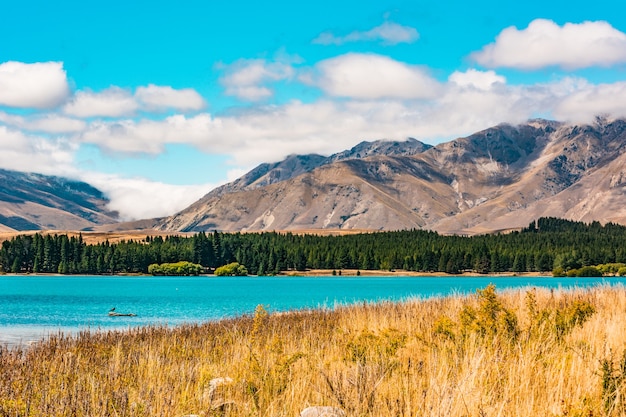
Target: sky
x=157, y=102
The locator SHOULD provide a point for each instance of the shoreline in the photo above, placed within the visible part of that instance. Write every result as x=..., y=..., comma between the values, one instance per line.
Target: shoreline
x=311, y=273
x=403, y=273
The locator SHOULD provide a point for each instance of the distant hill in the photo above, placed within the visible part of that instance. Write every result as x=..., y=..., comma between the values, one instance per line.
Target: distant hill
x=498, y=179
x=35, y=202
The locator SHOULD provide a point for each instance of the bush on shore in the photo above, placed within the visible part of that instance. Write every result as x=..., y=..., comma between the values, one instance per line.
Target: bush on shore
x=232, y=269
x=182, y=268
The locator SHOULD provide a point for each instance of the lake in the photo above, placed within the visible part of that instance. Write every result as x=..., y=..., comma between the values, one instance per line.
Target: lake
x=32, y=307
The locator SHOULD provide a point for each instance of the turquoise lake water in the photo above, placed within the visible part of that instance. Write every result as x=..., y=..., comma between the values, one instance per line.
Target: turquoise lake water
x=32, y=307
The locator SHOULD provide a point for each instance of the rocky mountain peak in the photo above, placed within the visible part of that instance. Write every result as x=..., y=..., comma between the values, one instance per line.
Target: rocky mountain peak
x=499, y=178
x=366, y=149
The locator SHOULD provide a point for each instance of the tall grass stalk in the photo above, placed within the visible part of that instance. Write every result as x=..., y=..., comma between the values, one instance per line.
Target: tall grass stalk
x=518, y=353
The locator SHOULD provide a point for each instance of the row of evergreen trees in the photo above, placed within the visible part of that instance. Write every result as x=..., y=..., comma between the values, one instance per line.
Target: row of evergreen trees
x=546, y=244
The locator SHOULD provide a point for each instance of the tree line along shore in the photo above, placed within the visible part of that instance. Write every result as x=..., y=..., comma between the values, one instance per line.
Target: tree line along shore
x=548, y=244
x=521, y=352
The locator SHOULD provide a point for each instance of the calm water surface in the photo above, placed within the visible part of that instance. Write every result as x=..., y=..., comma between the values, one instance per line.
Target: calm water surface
x=32, y=307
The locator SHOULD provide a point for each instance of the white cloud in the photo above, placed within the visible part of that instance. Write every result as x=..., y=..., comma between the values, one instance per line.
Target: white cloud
x=139, y=198
x=269, y=133
x=545, y=44
x=246, y=78
x=112, y=102
x=47, y=123
x=38, y=85
x=482, y=80
x=589, y=101
x=28, y=153
x=370, y=76
x=119, y=102
x=389, y=33
x=154, y=97
x=272, y=132
x=149, y=136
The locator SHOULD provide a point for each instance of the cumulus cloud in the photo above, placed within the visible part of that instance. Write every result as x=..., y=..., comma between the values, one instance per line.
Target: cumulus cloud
x=589, y=101
x=469, y=102
x=545, y=44
x=112, y=102
x=46, y=123
x=154, y=97
x=388, y=33
x=139, y=198
x=483, y=80
x=246, y=79
x=147, y=136
x=118, y=102
x=370, y=76
x=269, y=133
x=31, y=153
x=38, y=85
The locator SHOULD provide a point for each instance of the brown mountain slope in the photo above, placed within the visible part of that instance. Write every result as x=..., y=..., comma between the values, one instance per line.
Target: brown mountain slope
x=294, y=165
x=349, y=194
x=496, y=179
x=563, y=174
x=37, y=202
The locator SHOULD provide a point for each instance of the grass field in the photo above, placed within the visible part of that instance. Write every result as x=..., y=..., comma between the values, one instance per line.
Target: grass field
x=95, y=237
x=530, y=352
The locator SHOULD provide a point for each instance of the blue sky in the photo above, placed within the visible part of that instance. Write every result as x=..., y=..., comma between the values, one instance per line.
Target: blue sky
x=158, y=102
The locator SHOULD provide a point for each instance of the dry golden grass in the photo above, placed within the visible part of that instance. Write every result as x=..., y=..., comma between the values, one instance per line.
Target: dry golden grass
x=95, y=237
x=520, y=353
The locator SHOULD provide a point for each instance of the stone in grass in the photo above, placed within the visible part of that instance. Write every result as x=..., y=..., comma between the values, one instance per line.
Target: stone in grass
x=322, y=411
x=215, y=383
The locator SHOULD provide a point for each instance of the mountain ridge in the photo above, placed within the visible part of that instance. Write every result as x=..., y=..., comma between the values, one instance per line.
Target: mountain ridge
x=501, y=178
x=31, y=201
x=467, y=185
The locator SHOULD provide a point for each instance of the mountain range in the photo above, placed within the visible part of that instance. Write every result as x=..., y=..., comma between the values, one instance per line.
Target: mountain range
x=37, y=202
x=501, y=178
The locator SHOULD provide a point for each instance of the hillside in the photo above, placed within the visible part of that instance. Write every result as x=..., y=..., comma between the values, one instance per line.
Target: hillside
x=37, y=202
x=500, y=178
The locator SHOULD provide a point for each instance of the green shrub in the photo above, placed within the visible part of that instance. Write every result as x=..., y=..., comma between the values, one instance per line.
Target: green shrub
x=589, y=271
x=182, y=268
x=613, y=384
x=490, y=318
x=574, y=315
x=231, y=270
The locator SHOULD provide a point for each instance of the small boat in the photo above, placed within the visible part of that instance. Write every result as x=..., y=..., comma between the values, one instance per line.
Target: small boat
x=114, y=314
